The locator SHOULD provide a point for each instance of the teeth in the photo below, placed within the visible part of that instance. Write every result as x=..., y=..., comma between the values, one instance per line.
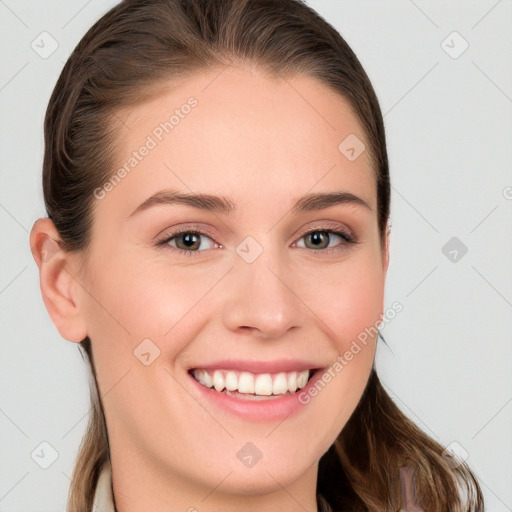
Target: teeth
x=218, y=380
x=207, y=379
x=261, y=384
x=245, y=383
x=292, y=381
x=231, y=381
x=302, y=379
x=280, y=384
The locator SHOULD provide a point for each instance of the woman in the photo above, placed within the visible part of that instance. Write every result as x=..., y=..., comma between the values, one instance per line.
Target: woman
x=217, y=188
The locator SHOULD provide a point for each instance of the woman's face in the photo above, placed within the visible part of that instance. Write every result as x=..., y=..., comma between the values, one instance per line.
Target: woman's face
x=255, y=297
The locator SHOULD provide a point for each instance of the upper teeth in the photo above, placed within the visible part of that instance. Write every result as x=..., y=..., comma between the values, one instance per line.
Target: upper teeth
x=246, y=382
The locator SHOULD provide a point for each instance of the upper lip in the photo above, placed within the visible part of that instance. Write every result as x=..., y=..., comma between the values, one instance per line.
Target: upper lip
x=276, y=366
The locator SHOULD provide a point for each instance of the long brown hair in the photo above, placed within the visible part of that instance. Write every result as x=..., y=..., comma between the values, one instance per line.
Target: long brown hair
x=130, y=54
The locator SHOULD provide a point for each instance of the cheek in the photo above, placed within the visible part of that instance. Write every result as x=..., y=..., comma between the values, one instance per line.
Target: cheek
x=143, y=298
x=352, y=300
x=350, y=310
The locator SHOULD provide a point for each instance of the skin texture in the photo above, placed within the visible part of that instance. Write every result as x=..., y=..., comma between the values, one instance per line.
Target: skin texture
x=263, y=142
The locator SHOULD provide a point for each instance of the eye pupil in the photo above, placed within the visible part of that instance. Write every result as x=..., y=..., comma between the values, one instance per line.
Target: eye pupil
x=188, y=240
x=317, y=237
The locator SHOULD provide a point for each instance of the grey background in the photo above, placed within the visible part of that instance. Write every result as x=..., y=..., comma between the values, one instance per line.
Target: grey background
x=449, y=129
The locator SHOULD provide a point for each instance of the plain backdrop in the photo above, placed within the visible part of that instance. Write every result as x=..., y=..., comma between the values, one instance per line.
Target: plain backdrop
x=441, y=71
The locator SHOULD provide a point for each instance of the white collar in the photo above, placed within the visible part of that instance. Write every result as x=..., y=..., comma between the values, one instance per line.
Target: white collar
x=103, y=496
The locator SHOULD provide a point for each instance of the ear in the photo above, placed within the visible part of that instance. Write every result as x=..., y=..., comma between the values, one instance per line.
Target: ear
x=59, y=288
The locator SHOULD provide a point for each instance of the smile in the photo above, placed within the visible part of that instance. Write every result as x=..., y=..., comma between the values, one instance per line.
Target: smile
x=252, y=386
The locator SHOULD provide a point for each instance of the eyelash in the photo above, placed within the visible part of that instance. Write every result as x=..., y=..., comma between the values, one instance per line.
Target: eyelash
x=348, y=239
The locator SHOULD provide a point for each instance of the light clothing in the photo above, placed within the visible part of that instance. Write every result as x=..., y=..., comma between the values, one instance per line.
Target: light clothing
x=104, y=497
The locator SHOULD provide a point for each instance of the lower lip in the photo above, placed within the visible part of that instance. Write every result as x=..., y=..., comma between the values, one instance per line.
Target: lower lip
x=258, y=410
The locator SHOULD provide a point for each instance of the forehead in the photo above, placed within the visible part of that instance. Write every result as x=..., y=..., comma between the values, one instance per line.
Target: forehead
x=240, y=133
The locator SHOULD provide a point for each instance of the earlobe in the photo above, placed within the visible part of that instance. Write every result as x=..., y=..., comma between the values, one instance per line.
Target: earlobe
x=58, y=286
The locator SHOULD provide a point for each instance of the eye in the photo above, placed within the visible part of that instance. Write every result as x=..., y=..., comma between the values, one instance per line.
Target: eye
x=319, y=239
x=187, y=241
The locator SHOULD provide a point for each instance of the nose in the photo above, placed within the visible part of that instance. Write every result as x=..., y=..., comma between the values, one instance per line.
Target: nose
x=261, y=299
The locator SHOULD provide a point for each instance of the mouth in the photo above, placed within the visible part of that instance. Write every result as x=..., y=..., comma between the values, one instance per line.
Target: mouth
x=253, y=386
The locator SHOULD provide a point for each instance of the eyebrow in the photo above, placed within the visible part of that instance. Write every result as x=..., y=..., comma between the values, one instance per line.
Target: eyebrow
x=223, y=204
